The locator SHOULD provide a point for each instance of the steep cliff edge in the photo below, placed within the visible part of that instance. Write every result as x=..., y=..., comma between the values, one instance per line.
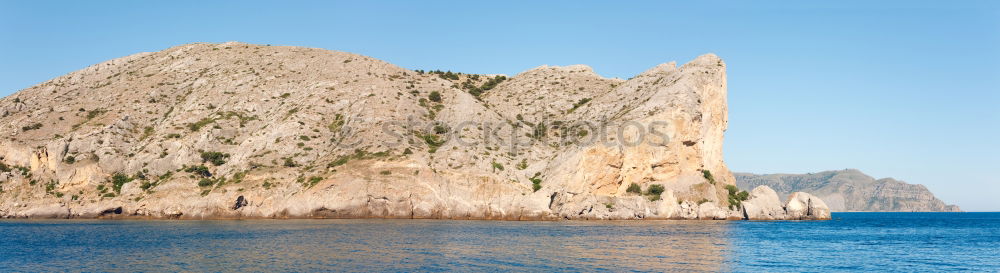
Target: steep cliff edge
x=244, y=131
x=851, y=190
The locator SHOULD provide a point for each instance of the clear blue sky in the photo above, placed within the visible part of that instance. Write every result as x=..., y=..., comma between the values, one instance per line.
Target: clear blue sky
x=906, y=89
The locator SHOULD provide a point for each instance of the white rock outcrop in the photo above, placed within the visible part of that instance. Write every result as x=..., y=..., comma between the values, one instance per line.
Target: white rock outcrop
x=764, y=204
x=804, y=206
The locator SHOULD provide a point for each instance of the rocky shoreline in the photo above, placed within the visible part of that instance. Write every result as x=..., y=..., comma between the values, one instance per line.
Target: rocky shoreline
x=762, y=205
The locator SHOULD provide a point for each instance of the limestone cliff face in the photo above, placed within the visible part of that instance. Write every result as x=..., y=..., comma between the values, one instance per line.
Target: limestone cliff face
x=851, y=190
x=237, y=130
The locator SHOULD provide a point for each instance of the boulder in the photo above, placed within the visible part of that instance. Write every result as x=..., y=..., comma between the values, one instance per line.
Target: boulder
x=711, y=211
x=804, y=206
x=763, y=204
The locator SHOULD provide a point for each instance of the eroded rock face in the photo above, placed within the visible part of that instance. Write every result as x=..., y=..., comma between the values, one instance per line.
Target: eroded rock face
x=190, y=131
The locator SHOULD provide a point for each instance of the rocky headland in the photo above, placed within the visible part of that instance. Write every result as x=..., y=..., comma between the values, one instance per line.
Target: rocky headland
x=237, y=130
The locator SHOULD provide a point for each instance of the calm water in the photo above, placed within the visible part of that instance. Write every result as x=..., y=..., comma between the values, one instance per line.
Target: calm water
x=852, y=242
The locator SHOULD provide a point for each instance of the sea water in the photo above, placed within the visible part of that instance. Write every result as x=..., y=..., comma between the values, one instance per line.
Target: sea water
x=851, y=242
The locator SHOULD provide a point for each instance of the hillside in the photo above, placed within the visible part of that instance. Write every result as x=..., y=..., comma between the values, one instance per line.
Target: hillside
x=241, y=131
x=851, y=190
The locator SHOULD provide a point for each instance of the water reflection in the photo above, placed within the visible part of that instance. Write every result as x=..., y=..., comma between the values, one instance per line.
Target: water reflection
x=921, y=242
x=368, y=245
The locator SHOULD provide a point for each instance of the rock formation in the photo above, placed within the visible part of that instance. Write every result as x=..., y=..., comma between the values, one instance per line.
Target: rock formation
x=248, y=131
x=763, y=204
x=851, y=190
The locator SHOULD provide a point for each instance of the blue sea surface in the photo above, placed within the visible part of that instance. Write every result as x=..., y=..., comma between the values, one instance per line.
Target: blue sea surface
x=854, y=242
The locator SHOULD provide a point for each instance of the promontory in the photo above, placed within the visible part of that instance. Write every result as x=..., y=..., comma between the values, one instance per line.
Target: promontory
x=238, y=130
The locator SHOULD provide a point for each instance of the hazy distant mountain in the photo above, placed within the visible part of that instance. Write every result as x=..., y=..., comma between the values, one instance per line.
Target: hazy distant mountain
x=850, y=190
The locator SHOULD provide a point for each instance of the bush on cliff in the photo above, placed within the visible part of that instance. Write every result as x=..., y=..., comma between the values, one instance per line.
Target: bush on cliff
x=654, y=191
x=434, y=96
x=736, y=196
x=708, y=176
x=118, y=180
x=216, y=158
x=199, y=170
x=34, y=126
x=634, y=188
x=536, y=183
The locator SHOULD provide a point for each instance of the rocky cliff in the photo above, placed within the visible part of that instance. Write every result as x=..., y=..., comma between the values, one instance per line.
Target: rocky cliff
x=851, y=190
x=248, y=131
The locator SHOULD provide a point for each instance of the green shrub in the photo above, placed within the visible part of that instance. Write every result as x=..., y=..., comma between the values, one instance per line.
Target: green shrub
x=358, y=154
x=118, y=180
x=536, y=182
x=579, y=103
x=34, y=126
x=433, y=142
x=338, y=121
x=736, y=196
x=634, y=188
x=708, y=176
x=25, y=171
x=339, y=161
x=146, y=132
x=194, y=127
x=290, y=163
x=313, y=181
x=386, y=172
x=199, y=170
x=439, y=129
x=732, y=189
x=69, y=160
x=655, y=189
x=238, y=177
x=216, y=158
x=497, y=166
x=94, y=113
x=205, y=182
x=522, y=165
x=539, y=131
x=434, y=96
x=493, y=82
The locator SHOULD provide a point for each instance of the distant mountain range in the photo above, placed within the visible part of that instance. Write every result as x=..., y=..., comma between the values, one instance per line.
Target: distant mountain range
x=850, y=190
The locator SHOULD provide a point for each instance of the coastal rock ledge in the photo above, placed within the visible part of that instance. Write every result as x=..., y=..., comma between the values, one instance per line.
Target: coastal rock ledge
x=236, y=130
